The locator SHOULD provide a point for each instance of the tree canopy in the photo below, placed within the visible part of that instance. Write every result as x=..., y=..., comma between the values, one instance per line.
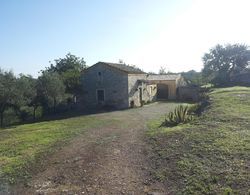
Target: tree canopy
x=52, y=87
x=162, y=70
x=69, y=68
x=221, y=62
x=193, y=76
x=8, y=92
x=23, y=97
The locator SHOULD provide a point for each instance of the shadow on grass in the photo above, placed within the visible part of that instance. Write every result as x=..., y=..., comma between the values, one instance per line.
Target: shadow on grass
x=71, y=113
x=61, y=116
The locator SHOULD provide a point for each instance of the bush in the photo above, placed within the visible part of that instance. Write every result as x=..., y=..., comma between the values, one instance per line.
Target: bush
x=181, y=114
x=25, y=113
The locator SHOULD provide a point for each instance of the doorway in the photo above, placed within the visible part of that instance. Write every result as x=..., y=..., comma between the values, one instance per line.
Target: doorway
x=162, y=91
x=100, y=95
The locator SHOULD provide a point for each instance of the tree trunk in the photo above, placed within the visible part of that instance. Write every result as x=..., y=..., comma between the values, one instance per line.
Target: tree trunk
x=34, y=112
x=54, y=106
x=1, y=114
x=1, y=120
x=75, y=100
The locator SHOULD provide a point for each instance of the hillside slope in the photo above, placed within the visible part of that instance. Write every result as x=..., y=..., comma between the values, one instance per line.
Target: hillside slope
x=212, y=154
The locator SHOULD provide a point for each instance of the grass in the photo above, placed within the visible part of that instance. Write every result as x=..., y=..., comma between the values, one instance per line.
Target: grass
x=22, y=146
x=211, y=155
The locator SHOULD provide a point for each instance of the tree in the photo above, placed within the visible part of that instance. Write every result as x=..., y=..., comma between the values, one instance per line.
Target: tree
x=193, y=76
x=162, y=70
x=69, y=69
x=223, y=61
x=120, y=61
x=8, y=92
x=28, y=92
x=51, y=87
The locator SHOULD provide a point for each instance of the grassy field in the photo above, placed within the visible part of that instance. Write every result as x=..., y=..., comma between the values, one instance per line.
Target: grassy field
x=211, y=155
x=22, y=146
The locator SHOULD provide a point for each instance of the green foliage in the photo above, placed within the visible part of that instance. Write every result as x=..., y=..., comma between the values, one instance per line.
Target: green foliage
x=211, y=154
x=25, y=113
x=69, y=69
x=8, y=92
x=27, y=97
x=194, y=77
x=26, y=86
x=228, y=191
x=162, y=70
x=193, y=108
x=223, y=61
x=181, y=115
x=52, y=88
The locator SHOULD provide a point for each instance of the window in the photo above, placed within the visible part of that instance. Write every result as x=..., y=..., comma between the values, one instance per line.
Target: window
x=99, y=77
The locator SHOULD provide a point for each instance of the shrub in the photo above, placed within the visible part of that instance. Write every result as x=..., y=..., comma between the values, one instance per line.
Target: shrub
x=25, y=113
x=181, y=114
x=193, y=109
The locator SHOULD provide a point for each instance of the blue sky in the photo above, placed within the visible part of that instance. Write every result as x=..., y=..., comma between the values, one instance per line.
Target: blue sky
x=169, y=33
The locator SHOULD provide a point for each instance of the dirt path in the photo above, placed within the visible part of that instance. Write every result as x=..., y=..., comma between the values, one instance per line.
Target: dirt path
x=108, y=160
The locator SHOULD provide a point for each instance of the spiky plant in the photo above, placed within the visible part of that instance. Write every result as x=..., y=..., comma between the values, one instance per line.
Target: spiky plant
x=181, y=114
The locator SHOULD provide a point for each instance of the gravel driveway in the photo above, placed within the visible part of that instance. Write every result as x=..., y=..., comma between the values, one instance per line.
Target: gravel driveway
x=107, y=160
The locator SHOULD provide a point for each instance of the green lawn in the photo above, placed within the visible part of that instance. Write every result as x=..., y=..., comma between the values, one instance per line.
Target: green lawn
x=212, y=154
x=22, y=146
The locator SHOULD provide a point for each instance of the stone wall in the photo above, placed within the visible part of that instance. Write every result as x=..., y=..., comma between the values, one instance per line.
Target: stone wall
x=112, y=81
x=135, y=84
x=188, y=93
x=122, y=90
x=180, y=82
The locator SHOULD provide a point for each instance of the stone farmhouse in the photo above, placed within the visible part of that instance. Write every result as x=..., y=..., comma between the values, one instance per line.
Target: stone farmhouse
x=121, y=86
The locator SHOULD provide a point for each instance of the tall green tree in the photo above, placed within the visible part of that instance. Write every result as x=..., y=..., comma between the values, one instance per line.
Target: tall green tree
x=223, y=61
x=27, y=87
x=8, y=92
x=52, y=88
x=70, y=68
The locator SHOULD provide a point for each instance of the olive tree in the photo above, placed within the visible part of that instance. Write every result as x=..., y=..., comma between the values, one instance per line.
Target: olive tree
x=221, y=62
x=51, y=87
x=8, y=92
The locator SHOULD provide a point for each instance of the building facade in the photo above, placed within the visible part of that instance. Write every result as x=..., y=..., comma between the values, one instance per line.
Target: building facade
x=121, y=86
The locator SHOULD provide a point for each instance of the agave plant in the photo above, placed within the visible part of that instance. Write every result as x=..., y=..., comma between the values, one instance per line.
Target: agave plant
x=181, y=114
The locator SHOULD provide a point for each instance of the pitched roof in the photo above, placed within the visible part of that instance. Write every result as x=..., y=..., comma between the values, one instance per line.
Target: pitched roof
x=125, y=68
x=162, y=77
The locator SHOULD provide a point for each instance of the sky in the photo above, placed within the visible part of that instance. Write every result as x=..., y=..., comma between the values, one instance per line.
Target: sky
x=150, y=34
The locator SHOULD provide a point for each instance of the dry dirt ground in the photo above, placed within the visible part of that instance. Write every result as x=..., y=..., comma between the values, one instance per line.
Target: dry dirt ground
x=108, y=160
